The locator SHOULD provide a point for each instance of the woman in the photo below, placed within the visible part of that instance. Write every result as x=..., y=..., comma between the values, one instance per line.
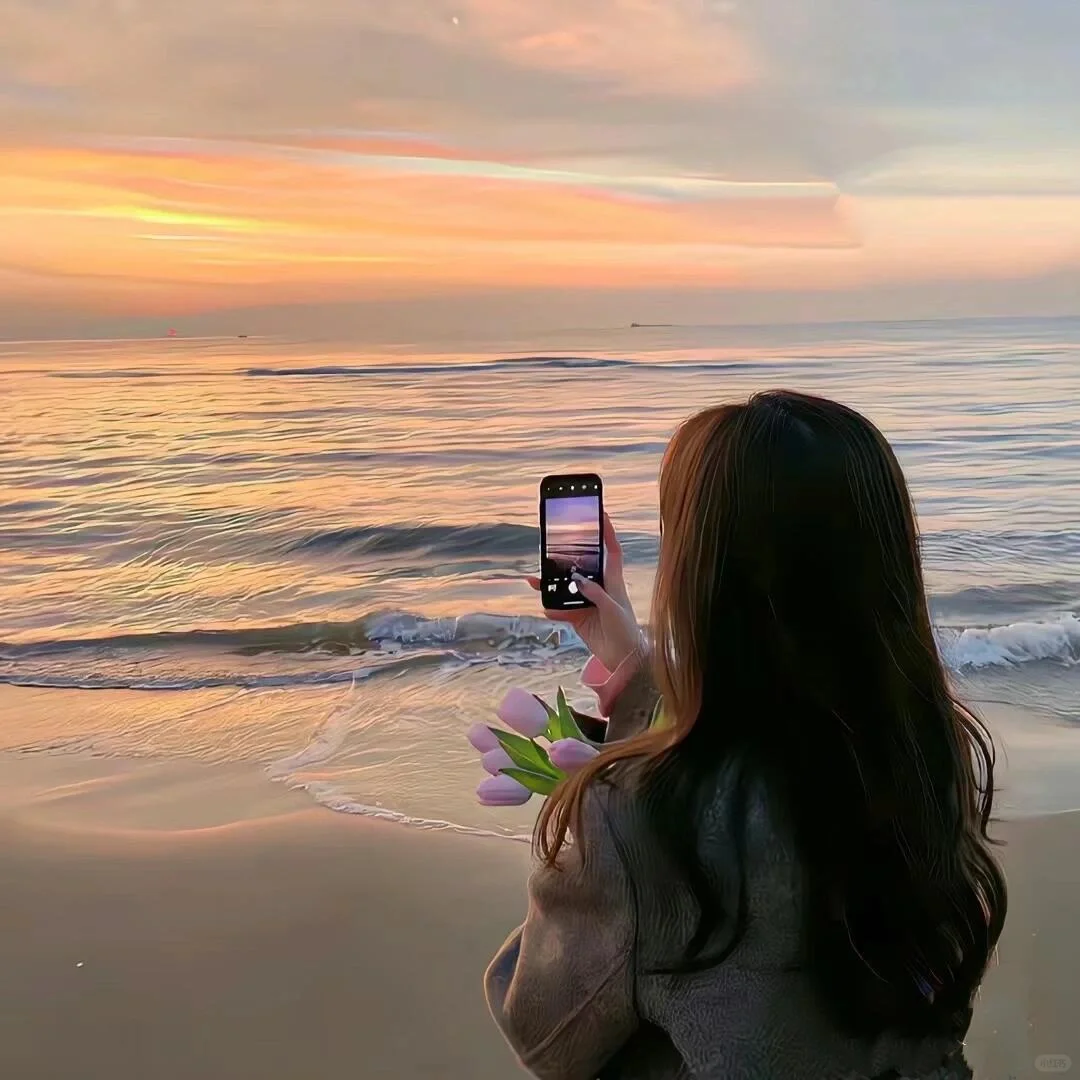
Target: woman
x=787, y=874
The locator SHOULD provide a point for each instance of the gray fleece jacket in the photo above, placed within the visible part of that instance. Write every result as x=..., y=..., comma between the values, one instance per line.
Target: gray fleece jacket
x=572, y=991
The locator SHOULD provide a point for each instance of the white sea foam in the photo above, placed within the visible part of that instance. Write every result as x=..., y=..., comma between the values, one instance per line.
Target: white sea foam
x=324, y=744
x=326, y=795
x=1016, y=643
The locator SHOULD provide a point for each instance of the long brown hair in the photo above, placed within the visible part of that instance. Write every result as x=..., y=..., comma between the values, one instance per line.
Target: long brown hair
x=792, y=640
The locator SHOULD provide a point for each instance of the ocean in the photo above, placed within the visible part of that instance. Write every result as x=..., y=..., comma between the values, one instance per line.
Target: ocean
x=310, y=557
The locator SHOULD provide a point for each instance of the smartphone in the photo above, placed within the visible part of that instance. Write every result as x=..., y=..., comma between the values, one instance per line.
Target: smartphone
x=571, y=538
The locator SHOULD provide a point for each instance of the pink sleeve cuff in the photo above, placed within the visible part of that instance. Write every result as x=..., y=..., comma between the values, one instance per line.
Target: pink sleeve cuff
x=608, y=685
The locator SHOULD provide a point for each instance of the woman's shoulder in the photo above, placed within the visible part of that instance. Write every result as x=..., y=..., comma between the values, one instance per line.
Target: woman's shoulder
x=734, y=821
x=632, y=790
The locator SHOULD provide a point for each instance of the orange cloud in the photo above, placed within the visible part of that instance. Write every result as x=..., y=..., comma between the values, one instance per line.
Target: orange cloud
x=911, y=239
x=291, y=223
x=978, y=236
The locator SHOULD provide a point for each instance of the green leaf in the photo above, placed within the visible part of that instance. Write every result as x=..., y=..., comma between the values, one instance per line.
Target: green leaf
x=564, y=726
x=525, y=753
x=554, y=728
x=658, y=720
x=537, y=784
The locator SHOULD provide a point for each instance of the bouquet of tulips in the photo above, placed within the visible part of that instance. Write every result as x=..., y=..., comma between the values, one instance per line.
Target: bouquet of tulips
x=520, y=765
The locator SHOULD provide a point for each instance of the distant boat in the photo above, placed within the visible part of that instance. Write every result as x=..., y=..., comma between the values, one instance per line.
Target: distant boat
x=172, y=333
x=241, y=335
x=648, y=325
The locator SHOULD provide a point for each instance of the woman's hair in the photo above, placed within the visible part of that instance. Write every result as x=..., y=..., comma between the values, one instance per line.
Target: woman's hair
x=792, y=640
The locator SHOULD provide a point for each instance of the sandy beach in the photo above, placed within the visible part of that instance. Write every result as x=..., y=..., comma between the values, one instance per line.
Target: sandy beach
x=180, y=922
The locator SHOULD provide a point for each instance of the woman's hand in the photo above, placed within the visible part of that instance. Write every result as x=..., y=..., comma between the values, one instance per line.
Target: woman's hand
x=609, y=628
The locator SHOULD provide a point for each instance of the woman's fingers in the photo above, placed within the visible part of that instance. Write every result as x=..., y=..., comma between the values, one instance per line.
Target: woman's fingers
x=534, y=582
x=612, y=546
x=614, y=577
x=594, y=593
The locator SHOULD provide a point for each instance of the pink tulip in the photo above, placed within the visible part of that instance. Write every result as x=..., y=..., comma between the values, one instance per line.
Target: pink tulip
x=482, y=738
x=502, y=791
x=571, y=754
x=494, y=761
x=521, y=711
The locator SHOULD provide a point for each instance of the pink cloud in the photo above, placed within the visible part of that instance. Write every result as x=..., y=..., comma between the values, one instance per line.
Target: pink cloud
x=641, y=46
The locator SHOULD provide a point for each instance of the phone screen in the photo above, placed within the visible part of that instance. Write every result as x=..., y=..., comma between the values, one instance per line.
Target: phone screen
x=571, y=537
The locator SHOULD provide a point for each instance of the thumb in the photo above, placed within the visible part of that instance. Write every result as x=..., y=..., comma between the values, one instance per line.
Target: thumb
x=594, y=593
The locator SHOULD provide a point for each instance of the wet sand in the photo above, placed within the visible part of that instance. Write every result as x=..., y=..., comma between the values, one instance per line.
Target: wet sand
x=194, y=923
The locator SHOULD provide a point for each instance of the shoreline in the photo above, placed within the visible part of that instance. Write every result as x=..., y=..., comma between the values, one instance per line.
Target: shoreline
x=316, y=748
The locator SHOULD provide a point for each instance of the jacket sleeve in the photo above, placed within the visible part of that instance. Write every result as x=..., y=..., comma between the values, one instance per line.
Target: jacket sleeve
x=626, y=697
x=632, y=711
x=562, y=987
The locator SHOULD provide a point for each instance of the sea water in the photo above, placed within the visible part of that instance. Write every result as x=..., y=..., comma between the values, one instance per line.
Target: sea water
x=311, y=557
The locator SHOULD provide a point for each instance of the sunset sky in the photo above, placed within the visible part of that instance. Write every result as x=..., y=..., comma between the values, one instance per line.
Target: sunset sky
x=279, y=163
